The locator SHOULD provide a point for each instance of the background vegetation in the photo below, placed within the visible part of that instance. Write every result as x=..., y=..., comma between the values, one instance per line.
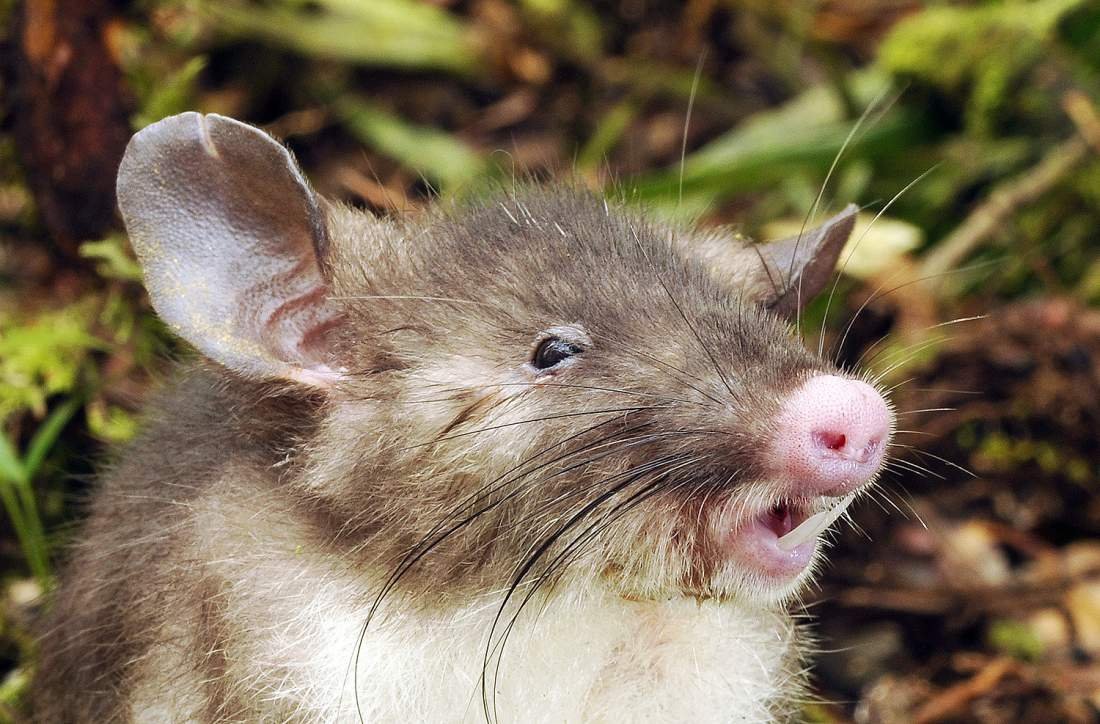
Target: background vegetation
x=970, y=130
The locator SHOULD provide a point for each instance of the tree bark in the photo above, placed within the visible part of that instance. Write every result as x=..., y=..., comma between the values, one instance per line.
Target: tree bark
x=71, y=111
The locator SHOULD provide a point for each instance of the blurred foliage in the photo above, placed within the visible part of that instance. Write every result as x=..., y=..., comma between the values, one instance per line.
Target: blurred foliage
x=439, y=156
x=969, y=132
x=400, y=33
x=42, y=357
x=1015, y=639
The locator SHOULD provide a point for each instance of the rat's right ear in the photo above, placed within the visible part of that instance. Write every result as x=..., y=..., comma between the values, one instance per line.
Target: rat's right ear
x=231, y=240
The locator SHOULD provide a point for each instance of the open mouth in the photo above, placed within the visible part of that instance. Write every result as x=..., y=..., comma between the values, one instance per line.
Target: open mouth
x=779, y=542
x=791, y=533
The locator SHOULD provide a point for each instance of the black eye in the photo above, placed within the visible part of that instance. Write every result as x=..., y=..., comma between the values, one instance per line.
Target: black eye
x=553, y=351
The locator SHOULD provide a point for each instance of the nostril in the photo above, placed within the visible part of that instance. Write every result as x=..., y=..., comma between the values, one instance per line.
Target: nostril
x=831, y=440
x=867, y=453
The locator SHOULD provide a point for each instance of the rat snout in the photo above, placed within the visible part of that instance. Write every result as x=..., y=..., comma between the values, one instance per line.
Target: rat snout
x=830, y=437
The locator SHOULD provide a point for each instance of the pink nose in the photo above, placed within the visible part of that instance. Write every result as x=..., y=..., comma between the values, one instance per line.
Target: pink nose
x=831, y=436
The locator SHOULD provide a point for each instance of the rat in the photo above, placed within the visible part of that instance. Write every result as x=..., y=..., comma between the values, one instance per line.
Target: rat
x=530, y=457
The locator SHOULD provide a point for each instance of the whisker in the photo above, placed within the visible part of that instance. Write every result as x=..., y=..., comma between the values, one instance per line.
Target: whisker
x=416, y=555
x=943, y=460
x=927, y=409
x=680, y=311
x=918, y=345
x=422, y=548
x=889, y=390
x=412, y=297
x=960, y=320
x=883, y=338
x=573, y=493
x=905, y=359
x=817, y=201
x=558, y=416
x=905, y=501
x=844, y=264
x=879, y=294
x=531, y=561
x=878, y=492
x=911, y=432
x=893, y=467
x=632, y=393
x=687, y=124
x=575, y=548
x=916, y=468
x=931, y=340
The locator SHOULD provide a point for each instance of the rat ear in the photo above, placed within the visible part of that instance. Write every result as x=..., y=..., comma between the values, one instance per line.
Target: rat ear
x=231, y=240
x=780, y=275
x=799, y=267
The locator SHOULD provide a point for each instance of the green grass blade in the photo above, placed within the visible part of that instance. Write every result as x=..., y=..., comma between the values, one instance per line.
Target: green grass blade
x=397, y=33
x=10, y=482
x=803, y=135
x=439, y=156
x=609, y=131
x=17, y=490
x=46, y=435
x=11, y=468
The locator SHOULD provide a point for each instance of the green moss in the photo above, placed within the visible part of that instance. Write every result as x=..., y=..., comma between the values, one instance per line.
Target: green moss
x=1048, y=457
x=1080, y=471
x=111, y=423
x=43, y=356
x=967, y=436
x=1015, y=639
x=113, y=258
x=979, y=53
x=997, y=450
x=13, y=688
x=1004, y=453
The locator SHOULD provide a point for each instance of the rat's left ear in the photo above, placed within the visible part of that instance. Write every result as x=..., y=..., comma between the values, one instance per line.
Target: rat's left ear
x=782, y=275
x=801, y=266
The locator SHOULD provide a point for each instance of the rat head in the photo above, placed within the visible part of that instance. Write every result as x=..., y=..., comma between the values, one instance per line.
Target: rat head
x=527, y=388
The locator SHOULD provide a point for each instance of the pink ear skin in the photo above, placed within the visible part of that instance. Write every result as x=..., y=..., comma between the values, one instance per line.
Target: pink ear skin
x=830, y=437
x=800, y=267
x=230, y=238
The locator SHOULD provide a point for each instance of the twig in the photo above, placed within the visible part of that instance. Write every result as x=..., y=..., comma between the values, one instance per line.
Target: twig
x=1029, y=186
x=1002, y=202
x=953, y=699
x=1084, y=115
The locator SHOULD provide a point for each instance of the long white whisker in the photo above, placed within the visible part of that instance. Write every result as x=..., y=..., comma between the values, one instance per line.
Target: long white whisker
x=820, y=194
x=852, y=251
x=687, y=124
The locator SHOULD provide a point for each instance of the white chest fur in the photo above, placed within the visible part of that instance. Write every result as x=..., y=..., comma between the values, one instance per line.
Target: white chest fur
x=577, y=657
x=573, y=660
x=584, y=659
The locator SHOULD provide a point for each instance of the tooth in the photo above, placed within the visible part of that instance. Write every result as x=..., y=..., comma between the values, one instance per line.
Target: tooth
x=815, y=525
